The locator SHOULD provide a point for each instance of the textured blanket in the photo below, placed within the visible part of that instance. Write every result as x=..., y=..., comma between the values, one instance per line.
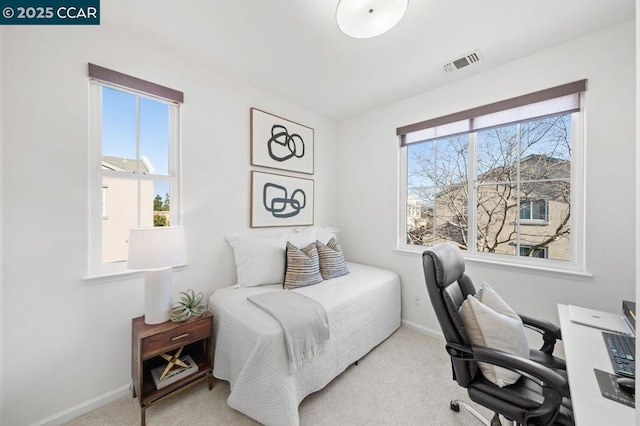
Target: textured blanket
x=303, y=320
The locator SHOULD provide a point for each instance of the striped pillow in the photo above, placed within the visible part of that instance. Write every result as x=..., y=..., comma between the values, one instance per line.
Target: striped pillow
x=331, y=259
x=302, y=267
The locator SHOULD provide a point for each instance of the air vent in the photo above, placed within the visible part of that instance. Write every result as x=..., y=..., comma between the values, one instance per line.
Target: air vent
x=466, y=60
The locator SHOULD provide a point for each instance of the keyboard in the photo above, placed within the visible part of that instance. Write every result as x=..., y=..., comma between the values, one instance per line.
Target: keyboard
x=622, y=353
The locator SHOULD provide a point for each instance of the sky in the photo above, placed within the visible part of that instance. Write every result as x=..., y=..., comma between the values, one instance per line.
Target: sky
x=119, y=131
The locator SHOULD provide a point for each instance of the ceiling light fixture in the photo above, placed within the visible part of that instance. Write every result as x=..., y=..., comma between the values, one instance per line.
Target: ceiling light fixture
x=369, y=18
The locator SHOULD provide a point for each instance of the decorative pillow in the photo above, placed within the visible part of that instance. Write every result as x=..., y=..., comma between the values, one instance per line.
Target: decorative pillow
x=490, y=298
x=496, y=327
x=331, y=259
x=259, y=260
x=303, y=267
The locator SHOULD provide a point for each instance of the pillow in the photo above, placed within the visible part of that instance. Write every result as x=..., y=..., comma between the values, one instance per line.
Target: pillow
x=302, y=238
x=331, y=259
x=325, y=234
x=496, y=326
x=321, y=234
x=303, y=267
x=490, y=298
x=259, y=260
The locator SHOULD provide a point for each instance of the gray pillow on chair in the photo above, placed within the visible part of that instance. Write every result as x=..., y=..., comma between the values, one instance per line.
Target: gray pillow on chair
x=489, y=321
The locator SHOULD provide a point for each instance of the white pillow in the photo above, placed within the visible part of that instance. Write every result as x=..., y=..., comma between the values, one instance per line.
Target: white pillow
x=322, y=234
x=301, y=238
x=491, y=322
x=259, y=260
x=490, y=298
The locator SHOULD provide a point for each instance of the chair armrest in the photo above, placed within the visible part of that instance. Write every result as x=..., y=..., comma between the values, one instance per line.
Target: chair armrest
x=541, y=374
x=550, y=332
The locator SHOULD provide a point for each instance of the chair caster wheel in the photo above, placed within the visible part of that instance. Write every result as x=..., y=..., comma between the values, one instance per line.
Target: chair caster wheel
x=454, y=406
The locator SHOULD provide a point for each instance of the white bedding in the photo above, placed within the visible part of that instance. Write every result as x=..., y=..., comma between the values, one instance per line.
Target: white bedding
x=363, y=309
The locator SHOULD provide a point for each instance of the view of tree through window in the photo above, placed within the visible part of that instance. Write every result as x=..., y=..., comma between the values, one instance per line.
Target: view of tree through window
x=520, y=189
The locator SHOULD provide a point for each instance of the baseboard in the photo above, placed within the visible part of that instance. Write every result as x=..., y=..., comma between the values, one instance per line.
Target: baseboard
x=71, y=413
x=423, y=330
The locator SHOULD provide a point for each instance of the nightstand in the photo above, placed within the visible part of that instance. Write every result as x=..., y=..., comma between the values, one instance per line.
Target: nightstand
x=150, y=342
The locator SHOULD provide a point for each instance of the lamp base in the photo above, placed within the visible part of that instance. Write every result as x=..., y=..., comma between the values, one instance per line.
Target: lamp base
x=157, y=295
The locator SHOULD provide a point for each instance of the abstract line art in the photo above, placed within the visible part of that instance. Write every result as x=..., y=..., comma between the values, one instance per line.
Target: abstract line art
x=277, y=202
x=280, y=200
x=292, y=142
x=281, y=144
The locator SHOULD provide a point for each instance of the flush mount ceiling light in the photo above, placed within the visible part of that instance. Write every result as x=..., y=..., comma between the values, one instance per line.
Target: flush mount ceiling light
x=369, y=18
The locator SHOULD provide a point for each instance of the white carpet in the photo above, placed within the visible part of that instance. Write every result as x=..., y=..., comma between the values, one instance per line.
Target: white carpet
x=404, y=381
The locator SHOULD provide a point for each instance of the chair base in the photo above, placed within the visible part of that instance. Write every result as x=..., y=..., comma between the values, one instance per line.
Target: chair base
x=495, y=421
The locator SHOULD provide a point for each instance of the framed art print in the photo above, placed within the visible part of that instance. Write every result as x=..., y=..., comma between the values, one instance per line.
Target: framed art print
x=280, y=144
x=278, y=200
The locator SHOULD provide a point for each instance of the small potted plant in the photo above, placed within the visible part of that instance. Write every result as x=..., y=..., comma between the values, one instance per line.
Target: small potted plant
x=188, y=306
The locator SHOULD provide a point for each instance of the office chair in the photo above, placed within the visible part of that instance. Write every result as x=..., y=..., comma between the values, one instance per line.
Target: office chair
x=539, y=397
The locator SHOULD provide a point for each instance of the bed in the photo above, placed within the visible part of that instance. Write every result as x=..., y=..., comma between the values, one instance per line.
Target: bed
x=363, y=309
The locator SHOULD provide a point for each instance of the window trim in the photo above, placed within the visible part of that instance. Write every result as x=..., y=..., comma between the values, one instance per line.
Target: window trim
x=134, y=83
x=453, y=121
x=95, y=267
x=578, y=174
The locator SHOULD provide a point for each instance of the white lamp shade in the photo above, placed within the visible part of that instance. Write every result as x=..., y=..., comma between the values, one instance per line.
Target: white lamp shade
x=155, y=248
x=369, y=18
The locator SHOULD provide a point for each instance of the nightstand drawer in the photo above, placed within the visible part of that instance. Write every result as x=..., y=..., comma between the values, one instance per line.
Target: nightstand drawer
x=162, y=342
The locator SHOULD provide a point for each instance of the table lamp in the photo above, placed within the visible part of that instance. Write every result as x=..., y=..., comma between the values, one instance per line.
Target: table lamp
x=156, y=250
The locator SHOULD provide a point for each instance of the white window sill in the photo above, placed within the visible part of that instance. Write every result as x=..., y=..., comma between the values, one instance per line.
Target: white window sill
x=534, y=269
x=128, y=274
x=533, y=222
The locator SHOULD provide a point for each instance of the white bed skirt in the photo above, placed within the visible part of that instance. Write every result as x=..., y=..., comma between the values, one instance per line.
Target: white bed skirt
x=363, y=309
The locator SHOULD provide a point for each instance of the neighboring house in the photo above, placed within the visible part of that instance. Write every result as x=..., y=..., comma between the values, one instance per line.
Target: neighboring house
x=543, y=217
x=414, y=212
x=118, y=195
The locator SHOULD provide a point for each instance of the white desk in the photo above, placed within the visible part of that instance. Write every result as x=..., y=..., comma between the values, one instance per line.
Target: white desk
x=585, y=350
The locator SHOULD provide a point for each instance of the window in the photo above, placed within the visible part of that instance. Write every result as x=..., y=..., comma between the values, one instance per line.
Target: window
x=134, y=164
x=533, y=210
x=498, y=183
x=540, y=252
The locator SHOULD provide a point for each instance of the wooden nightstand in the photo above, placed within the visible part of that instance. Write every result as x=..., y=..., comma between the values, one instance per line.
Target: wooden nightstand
x=149, y=342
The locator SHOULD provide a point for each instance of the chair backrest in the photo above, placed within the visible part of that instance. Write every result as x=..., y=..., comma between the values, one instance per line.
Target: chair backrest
x=448, y=287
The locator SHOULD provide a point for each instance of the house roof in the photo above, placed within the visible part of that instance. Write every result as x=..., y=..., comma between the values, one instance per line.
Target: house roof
x=122, y=164
x=540, y=167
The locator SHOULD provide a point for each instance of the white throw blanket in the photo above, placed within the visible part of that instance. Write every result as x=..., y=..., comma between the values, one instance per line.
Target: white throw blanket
x=303, y=320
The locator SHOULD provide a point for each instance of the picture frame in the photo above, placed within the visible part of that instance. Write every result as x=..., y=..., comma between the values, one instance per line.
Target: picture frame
x=279, y=143
x=279, y=200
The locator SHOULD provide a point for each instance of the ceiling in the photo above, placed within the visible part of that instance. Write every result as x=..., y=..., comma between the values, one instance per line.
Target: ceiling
x=294, y=49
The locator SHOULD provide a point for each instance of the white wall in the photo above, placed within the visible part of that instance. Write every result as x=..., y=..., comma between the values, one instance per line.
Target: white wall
x=66, y=342
x=637, y=180
x=2, y=322
x=369, y=176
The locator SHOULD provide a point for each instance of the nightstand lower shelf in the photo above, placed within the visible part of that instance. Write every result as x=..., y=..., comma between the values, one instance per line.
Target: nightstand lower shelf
x=192, y=337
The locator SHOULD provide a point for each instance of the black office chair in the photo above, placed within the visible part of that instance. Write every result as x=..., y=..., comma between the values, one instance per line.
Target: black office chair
x=539, y=397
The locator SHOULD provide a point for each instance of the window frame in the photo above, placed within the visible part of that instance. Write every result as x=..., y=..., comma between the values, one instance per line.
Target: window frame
x=577, y=178
x=544, y=250
x=96, y=267
x=530, y=220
